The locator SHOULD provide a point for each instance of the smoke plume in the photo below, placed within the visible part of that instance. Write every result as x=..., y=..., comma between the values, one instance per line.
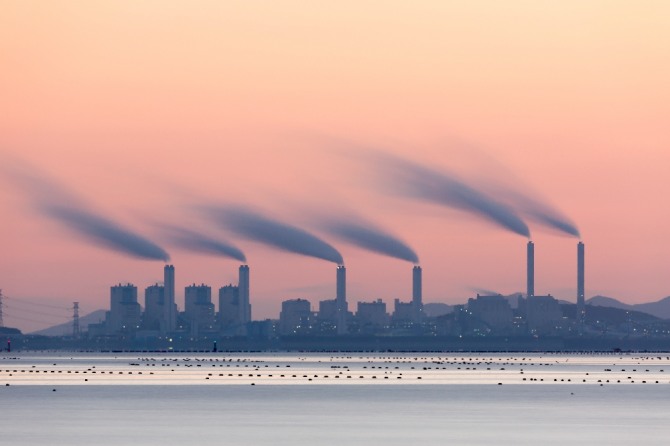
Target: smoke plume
x=485, y=291
x=541, y=213
x=259, y=228
x=366, y=236
x=105, y=233
x=193, y=241
x=427, y=184
x=54, y=201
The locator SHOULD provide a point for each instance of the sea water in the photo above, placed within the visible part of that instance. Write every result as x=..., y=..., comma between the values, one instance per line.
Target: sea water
x=328, y=399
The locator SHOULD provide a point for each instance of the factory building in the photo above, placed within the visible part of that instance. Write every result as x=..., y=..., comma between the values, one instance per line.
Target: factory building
x=495, y=311
x=372, y=316
x=403, y=312
x=234, y=308
x=199, y=309
x=328, y=311
x=295, y=317
x=229, y=313
x=125, y=312
x=154, y=298
x=543, y=314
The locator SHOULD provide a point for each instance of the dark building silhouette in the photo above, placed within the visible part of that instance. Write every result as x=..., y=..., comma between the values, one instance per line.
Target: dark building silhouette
x=543, y=315
x=198, y=308
x=295, y=317
x=372, y=316
x=495, y=311
x=125, y=312
x=403, y=312
x=154, y=299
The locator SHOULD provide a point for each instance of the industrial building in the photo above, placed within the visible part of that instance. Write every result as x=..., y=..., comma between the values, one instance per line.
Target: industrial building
x=125, y=313
x=295, y=317
x=199, y=309
x=483, y=315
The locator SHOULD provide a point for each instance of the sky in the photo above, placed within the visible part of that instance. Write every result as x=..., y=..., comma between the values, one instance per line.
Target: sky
x=145, y=111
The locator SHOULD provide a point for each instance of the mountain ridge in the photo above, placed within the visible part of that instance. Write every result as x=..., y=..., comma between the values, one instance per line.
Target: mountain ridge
x=659, y=308
x=65, y=329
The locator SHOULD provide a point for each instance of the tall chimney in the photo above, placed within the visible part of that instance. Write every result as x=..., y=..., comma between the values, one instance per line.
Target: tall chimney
x=580, y=283
x=417, y=299
x=341, y=300
x=243, y=290
x=530, y=271
x=169, y=307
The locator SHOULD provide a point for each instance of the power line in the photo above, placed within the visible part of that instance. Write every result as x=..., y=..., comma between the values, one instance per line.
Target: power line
x=37, y=321
x=34, y=303
x=22, y=310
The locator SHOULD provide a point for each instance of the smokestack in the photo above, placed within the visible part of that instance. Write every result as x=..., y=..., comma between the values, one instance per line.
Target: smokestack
x=243, y=289
x=580, y=283
x=341, y=300
x=530, y=271
x=169, y=307
x=417, y=302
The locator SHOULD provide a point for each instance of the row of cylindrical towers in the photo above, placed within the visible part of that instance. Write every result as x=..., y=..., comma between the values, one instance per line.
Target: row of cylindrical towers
x=169, y=322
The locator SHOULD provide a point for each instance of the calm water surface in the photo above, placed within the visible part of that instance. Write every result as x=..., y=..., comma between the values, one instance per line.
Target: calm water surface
x=297, y=399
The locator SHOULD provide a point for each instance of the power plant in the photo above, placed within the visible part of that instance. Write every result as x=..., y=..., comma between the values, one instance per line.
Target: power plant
x=539, y=314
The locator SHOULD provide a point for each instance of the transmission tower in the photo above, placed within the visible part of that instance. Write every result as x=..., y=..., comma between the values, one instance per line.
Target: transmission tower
x=2, y=322
x=75, y=320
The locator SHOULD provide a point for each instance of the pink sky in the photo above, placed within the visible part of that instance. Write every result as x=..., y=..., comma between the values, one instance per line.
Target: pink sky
x=127, y=103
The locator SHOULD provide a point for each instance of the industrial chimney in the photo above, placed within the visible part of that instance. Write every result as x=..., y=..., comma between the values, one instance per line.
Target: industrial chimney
x=341, y=300
x=530, y=271
x=169, y=307
x=581, y=310
x=243, y=290
x=417, y=300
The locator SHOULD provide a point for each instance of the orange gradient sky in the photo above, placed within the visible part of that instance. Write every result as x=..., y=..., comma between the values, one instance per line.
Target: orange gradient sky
x=138, y=106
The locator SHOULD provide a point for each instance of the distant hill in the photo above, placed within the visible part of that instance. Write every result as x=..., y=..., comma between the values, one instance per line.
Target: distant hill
x=612, y=315
x=66, y=328
x=604, y=301
x=660, y=309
